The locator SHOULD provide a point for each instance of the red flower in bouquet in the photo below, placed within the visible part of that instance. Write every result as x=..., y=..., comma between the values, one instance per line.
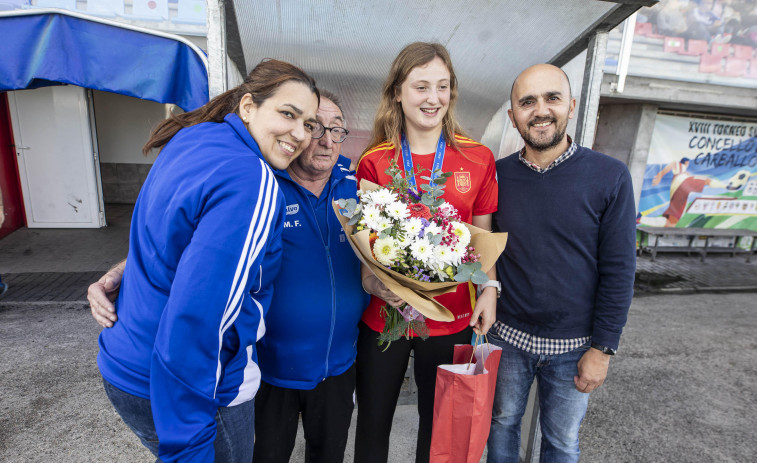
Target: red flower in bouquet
x=420, y=211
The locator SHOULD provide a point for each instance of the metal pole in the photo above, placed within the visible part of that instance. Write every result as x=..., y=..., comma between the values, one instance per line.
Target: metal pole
x=217, y=80
x=588, y=107
x=626, y=44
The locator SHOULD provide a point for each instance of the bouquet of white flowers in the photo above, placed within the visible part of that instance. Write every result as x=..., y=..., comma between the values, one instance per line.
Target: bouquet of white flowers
x=418, y=246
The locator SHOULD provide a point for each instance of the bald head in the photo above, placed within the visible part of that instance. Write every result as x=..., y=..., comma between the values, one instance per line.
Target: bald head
x=541, y=105
x=540, y=71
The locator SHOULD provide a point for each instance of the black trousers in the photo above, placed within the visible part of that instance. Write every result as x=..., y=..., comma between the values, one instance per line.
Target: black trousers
x=379, y=380
x=326, y=416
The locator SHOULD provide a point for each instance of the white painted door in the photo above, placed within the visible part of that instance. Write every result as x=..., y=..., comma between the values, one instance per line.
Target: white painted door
x=56, y=160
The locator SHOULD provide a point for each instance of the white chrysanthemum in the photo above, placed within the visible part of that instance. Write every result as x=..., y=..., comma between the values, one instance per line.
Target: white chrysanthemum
x=422, y=250
x=462, y=233
x=365, y=196
x=434, y=229
x=405, y=241
x=383, y=196
x=397, y=210
x=438, y=270
x=412, y=226
x=383, y=223
x=370, y=218
x=458, y=252
x=443, y=255
x=386, y=250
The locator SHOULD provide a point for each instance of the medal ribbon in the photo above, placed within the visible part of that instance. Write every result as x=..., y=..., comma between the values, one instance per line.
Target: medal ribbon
x=407, y=161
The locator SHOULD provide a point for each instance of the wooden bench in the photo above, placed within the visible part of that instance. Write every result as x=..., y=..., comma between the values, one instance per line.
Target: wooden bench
x=692, y=234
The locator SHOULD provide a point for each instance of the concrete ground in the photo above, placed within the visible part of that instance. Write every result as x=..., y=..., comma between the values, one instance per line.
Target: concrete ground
x=682, y=388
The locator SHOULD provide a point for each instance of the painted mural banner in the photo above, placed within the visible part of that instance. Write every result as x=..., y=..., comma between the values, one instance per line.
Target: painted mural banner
x=700, y=173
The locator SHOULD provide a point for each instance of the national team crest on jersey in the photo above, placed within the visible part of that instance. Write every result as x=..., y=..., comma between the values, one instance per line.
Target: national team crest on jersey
x=462, y=182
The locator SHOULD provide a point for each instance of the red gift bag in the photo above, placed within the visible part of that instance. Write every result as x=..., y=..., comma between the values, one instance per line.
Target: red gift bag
x=463, y=404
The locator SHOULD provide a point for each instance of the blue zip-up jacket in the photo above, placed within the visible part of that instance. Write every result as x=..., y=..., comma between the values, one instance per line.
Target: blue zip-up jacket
x=312, y=326
x=204, y=247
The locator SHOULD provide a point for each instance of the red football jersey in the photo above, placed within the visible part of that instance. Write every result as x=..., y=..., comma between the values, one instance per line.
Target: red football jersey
x=472, y=189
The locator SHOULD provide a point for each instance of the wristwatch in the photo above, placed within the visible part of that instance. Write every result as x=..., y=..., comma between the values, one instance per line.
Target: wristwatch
x=603, y=349
x=492, y=284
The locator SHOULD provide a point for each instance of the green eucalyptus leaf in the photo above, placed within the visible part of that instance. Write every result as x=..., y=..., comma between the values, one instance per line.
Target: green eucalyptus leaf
x=354, y=219
x=479, y=277
x=463, y=273
x=440, y=180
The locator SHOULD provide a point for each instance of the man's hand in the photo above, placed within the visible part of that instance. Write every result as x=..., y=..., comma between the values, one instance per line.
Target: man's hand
x=592, y=370
x=102, y=294
x=373, y=285
x=485, y=313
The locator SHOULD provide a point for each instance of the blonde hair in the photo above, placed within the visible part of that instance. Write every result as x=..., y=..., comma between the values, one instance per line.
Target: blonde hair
x=389, y=123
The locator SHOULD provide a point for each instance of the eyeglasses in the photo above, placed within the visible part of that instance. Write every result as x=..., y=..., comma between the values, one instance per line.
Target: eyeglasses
x=338, y=134
x=316, y=129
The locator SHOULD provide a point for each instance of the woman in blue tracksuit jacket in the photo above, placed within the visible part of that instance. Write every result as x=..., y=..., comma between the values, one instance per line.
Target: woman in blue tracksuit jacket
x=205, y=243
x=313, y=323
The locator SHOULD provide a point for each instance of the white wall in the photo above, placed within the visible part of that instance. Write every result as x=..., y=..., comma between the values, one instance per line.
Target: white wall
x=511, y=140
x=123, y=126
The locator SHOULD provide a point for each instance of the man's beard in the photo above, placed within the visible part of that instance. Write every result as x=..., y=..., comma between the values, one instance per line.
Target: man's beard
x=543, y=145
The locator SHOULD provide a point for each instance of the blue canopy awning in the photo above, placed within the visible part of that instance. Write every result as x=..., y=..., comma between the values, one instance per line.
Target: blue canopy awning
x=44, y=48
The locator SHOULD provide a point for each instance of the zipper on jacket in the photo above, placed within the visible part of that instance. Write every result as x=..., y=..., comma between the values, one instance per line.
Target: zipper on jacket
x=333, y=278
x=333, y=310
x=331, y=273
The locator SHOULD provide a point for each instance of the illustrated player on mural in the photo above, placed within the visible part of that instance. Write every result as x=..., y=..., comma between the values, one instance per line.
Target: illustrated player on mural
x=682, y=184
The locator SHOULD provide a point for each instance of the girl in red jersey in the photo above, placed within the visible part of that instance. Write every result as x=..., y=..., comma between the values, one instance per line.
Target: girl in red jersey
x=415, y=124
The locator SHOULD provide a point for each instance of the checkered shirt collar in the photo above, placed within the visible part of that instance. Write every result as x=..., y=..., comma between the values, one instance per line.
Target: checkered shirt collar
x=562, y=158
x=534, y=344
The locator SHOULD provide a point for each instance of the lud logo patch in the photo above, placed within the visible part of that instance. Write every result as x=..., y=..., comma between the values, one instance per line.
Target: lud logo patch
x=293, y=209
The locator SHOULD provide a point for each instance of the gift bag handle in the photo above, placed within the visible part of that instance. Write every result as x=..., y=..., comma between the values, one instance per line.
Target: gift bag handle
x=480, y=338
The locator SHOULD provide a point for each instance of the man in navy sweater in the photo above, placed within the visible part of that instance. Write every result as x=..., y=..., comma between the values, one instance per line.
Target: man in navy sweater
x=567, y=272
x=307, y=354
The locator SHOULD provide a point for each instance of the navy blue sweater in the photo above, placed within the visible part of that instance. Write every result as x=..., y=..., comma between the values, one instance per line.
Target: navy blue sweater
x=568, y=268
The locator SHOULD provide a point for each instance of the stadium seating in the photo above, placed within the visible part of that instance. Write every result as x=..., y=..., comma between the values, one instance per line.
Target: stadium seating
x=720, y=49
x=643, y=28
x=752, y=71
x=673, y=45
x=734, y=67
x=710, y=63
x=695, y=47
x=743, y=52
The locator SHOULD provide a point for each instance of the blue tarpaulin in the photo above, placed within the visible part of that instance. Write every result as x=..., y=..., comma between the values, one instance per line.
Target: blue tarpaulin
x=49, y=49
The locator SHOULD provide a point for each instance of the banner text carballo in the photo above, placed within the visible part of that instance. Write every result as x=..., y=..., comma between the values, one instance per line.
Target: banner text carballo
x=700, y=173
